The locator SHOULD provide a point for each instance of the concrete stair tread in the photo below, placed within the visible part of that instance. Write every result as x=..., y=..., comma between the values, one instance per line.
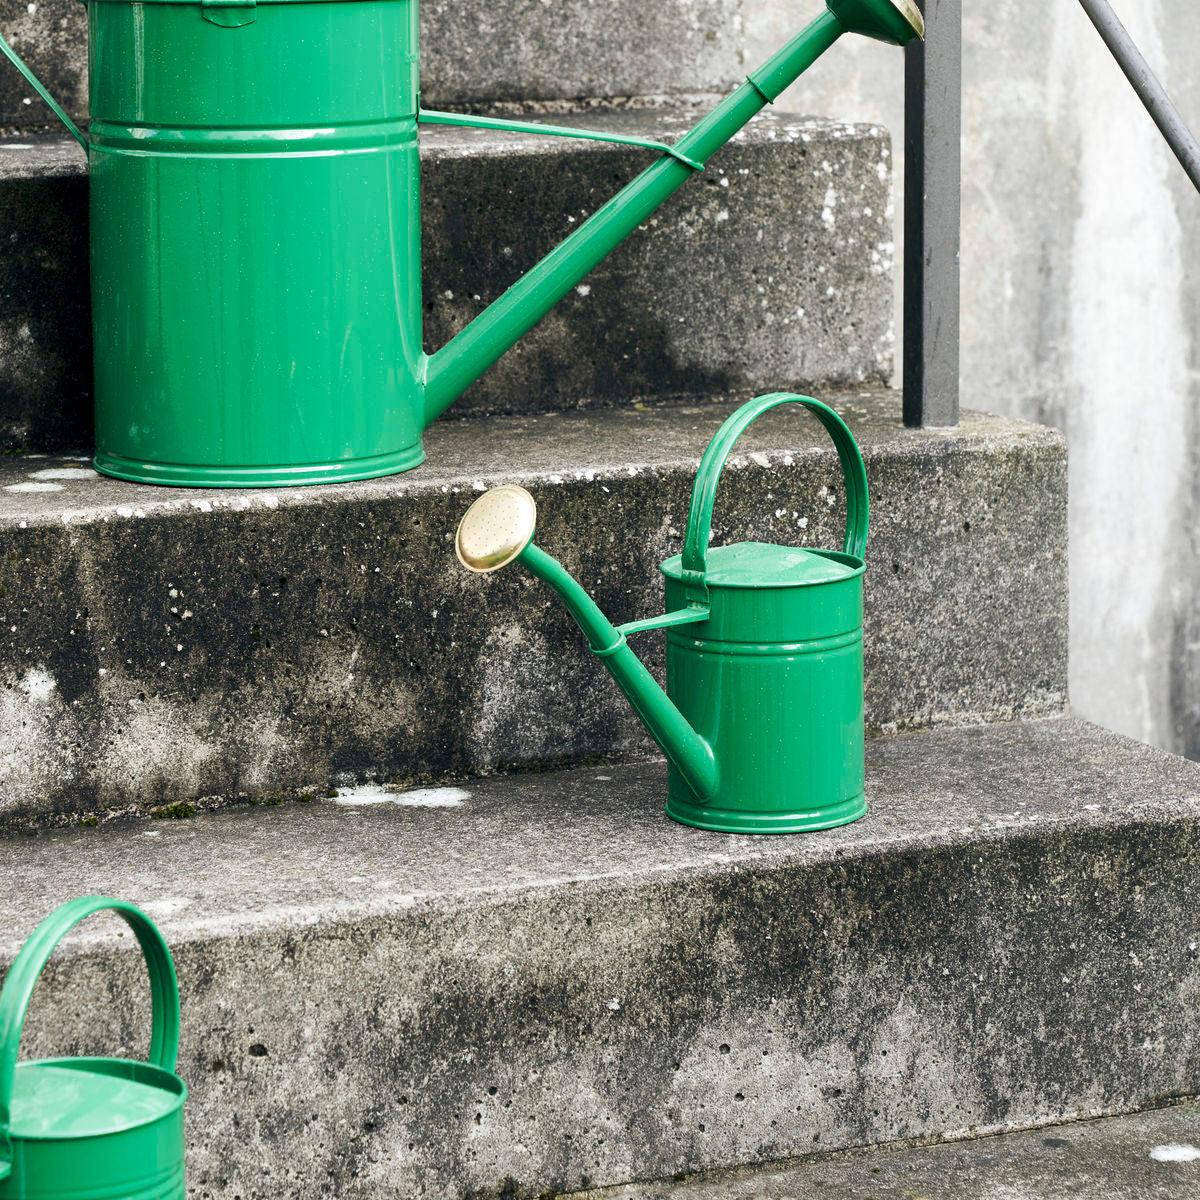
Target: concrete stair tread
x=376, y=851
x=40, y=156
x=537, y=448
x=550, y=986
x=1141, y=1156
x=28, y=156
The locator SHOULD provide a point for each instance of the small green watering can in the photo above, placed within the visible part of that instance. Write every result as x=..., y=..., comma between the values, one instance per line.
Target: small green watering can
x=762, y=720
x=91, y=1128
x=255, y=232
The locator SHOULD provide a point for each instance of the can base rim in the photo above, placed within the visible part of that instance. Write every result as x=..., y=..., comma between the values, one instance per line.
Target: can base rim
x=300, y=475
x=725, y=820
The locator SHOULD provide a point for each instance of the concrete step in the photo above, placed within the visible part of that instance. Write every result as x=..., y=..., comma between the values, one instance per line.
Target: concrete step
x=164, y=646
x=513, y=50
x=771, y=269
x=1143, y=1156
x=539, y=984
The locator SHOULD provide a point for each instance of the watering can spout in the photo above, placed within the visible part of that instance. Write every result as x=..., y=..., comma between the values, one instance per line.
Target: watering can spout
x=497, y=530
x=453, y=368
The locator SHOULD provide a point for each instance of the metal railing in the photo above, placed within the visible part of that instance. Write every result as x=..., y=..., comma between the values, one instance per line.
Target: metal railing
x=932, y=206
x=933, y=194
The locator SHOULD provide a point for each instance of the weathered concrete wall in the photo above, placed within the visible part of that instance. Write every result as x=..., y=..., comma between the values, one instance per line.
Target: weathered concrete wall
x=1081, y=308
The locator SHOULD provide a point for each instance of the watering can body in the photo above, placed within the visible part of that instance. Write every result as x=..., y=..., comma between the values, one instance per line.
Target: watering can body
x=762, y=718
x=773, y=681
x=255, y=241
x=91, y=1128
x=255, y=232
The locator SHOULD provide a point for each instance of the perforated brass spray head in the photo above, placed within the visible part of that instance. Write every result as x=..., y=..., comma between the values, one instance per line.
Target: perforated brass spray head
x=495, y=529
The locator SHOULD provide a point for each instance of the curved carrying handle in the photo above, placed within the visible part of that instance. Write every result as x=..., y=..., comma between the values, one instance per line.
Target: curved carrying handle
x=27, y=967
x=704, y=490
x=36, y=84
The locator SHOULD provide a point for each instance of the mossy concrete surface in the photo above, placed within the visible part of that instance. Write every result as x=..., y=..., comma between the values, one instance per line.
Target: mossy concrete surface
x=1143, y=1156
x=772, y=268
x=521, y=986
x=162, y=646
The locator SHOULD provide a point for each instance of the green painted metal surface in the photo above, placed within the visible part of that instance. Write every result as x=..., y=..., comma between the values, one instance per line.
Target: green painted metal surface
x=91, y=1128
x=762, y=720
x=255, y=234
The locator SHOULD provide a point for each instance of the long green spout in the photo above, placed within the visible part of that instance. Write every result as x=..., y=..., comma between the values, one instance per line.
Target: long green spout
x=690, y=754
x=463, y=359
x=497, y=530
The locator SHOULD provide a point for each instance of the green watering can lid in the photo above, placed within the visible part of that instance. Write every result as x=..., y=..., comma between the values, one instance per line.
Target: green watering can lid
x=761, y=564
x=80, y=1098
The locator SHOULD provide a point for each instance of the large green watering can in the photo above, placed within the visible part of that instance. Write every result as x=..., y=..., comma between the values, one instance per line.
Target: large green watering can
x=91, y=1128
x=762, y=720
x=255, y=232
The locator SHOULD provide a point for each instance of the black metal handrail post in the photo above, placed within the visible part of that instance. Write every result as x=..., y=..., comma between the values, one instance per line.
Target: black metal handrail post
x=932, y=214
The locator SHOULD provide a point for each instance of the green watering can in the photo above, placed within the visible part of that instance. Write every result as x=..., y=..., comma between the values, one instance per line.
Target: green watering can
x=255, y=232
x=91, y=1128
x=762, y=720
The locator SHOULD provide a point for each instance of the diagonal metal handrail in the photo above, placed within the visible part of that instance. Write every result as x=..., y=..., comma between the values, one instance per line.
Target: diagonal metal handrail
x=1145, y=83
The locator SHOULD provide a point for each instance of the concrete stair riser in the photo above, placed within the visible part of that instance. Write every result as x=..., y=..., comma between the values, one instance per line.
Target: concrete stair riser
x=45, y=311
x=552, y=986
x=161, y=646
x=517, y=50
x=772, y=269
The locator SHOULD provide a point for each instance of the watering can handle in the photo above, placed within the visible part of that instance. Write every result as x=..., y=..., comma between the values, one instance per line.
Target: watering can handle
x=704, y=490
x=27, y=967
x=36, y=84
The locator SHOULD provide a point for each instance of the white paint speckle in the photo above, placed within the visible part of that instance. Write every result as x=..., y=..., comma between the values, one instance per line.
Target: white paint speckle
x=65, y=473
x=33, y=487
x=584, y=290
x=614, y=1004
x=38, y=685
x=371, y=793
x=166, y=908
x=1175, y=1153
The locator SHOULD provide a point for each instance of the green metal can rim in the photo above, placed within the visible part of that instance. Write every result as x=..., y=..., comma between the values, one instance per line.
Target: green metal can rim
x=350, y=470
x=674, y=569
x=177, y=1087
x=728, y=648
x=727, y=820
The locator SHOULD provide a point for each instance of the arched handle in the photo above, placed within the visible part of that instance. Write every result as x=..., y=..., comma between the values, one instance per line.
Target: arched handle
x=704, y=490
x=27, y=967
